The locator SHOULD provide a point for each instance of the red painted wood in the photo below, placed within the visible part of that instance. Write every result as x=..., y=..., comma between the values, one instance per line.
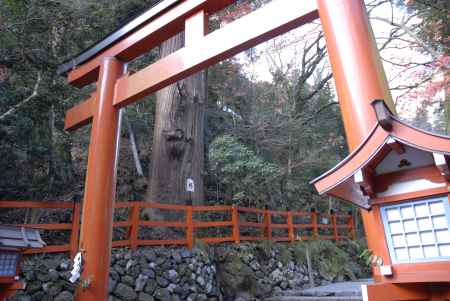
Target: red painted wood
x=235, y=221
x=76, y=215
x=189, y=228
x=315, y=226
x=121, y=243
x=45, y=226
x=212, y=224
x=99, y=196
x=261, y=25
x=291, y=231
x=164, y=242
x=168, y=224
x=124, y=224
x=49, y=249
x=35, y=204
x=251, y=224
x=267, y=225
x=216, y=240
x=145, y=38
x=135, y=220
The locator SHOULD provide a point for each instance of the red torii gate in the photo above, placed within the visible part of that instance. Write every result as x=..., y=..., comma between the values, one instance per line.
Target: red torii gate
x=356, y=66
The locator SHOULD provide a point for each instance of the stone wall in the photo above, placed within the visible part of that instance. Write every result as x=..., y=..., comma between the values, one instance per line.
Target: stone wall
x=243, y=272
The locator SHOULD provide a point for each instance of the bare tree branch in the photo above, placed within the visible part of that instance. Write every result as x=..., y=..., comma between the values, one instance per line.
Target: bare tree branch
x=320, y=110
x=408, y=30
x=25, y=101
x=319, y=86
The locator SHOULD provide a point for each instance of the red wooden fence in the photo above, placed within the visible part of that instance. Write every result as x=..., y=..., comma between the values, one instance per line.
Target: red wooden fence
x=74, y=226
x=297, y=225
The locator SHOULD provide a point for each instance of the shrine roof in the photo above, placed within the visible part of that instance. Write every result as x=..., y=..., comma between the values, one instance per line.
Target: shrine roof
x=388, y=135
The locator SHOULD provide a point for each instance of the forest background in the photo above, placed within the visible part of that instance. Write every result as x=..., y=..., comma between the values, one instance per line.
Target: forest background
x=271, y=117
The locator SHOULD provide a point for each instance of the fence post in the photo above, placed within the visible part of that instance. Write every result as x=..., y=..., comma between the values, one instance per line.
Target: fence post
x=235, y=222
x=135, y=219
x=189, y=227
x=75, y=229
x=334, y=223
x=351, y=225
x=267, y=224
x=290, y=227
x=314, y=224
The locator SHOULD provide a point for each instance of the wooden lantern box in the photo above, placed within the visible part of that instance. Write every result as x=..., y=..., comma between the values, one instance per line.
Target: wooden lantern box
x=400, y=177
x=13, y=240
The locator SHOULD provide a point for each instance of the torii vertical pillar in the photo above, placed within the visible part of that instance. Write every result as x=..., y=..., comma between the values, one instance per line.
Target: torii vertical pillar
x=359, y=77
x=99, y=198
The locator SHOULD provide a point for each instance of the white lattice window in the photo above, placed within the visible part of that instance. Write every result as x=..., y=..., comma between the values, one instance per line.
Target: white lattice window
x=418, y=231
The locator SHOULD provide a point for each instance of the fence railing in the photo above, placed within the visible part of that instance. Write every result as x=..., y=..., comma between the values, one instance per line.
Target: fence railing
x=73, y=226
x=241, y=224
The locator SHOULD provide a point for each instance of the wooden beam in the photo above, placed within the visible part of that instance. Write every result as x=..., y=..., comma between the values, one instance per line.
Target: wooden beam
x=115, y=37
x=259, y=26
x=364, y=178
x=388, y=291
x=145, y=38
x=80, y=115
x=384, y=115
x=442, y=163
x=206, y=51
x=36, y=204
x=196, y=27
x=395, y=146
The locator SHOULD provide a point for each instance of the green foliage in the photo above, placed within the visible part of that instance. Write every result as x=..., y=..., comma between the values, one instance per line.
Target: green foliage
x=239, y=169
x=281, y=124
x=39, y=159
x=370, y=259
x=332, y=260
x=15, y=7
x=285, y=254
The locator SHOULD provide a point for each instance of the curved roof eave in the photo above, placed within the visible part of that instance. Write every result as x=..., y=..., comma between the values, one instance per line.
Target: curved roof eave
x=371, y=146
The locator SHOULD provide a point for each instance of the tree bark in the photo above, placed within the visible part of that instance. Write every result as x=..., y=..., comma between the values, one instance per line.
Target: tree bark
x=178, y=143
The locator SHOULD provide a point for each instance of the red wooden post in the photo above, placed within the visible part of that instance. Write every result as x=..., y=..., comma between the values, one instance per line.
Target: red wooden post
x=189, y=227
x=290, y=223
x=267, y=224
x=99, y=197
x=135, y=219
x=360, y=78
x=334, y=224
x=75, y=229
x=235, y=222
x=314, y=224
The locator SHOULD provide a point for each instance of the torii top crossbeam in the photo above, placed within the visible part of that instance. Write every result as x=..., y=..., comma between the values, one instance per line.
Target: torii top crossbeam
x=201, y=50
x=354, y=58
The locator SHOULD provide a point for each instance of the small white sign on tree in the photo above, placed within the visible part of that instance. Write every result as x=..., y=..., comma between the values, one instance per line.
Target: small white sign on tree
x=190, y=186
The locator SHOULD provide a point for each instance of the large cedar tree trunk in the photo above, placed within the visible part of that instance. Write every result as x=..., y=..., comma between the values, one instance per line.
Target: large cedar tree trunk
x=178, y=144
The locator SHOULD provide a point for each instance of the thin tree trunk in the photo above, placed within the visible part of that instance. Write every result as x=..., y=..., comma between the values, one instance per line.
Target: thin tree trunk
x=51, y=160
x=137, y=161
x=310, y=268
x=178, y=144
